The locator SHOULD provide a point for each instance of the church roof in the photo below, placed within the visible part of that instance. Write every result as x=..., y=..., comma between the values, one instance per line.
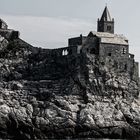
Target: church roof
x=110, y=38
x=106, y=15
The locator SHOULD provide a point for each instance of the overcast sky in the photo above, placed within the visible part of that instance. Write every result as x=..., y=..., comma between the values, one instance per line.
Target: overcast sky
x=49, y=23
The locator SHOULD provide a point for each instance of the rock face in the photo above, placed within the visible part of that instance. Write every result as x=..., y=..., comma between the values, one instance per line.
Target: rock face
x=42, y=96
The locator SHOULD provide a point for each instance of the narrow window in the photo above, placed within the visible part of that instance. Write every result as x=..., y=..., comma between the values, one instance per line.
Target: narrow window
x=66, y=52
x=109, y=54
x=63, y=53
x=125, y=66
x=108, y=28
x=124, y=51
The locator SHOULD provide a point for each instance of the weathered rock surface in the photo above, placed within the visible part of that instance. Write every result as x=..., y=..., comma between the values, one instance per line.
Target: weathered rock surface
x=43, y=96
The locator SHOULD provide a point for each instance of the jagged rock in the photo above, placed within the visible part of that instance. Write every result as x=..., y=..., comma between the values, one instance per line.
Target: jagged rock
x=45, y=101
x=4, y=109
x=68, y=92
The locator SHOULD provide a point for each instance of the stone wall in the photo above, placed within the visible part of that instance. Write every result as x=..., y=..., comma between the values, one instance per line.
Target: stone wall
x=136, y=72
x=76, y=41
x=91, y=45
x=115, y=51
x=73, y=50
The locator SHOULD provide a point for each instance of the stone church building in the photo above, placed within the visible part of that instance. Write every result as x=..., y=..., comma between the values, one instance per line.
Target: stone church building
x=112, y=49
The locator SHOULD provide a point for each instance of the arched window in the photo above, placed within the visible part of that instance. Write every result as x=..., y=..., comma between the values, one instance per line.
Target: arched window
x=108, y=28
x=66, y=52
x=63, y=52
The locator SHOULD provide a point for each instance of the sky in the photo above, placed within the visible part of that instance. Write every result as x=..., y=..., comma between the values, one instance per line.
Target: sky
x=49, y=23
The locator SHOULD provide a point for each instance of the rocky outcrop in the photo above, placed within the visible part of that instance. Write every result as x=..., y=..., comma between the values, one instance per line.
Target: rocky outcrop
x=43, y=96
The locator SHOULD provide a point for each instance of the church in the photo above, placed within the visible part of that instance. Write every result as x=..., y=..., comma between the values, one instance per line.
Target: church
x=111, y=49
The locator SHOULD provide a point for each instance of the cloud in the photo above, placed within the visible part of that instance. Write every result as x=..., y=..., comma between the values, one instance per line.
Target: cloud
x=48, y=32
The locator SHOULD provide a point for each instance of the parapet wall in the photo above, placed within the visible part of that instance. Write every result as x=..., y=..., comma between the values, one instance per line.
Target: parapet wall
x=59, y=52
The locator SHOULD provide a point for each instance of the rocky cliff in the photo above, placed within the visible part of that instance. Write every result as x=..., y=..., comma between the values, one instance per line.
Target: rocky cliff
x=42, y=96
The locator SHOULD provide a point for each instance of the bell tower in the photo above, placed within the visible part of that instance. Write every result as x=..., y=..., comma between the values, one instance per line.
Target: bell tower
x=106, y=23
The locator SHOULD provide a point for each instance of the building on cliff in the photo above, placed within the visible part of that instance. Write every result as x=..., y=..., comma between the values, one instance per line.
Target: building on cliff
x=112, y=49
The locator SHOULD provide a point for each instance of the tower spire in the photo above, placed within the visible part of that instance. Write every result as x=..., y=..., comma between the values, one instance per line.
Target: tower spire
x=106, y=23
x=106, y=15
